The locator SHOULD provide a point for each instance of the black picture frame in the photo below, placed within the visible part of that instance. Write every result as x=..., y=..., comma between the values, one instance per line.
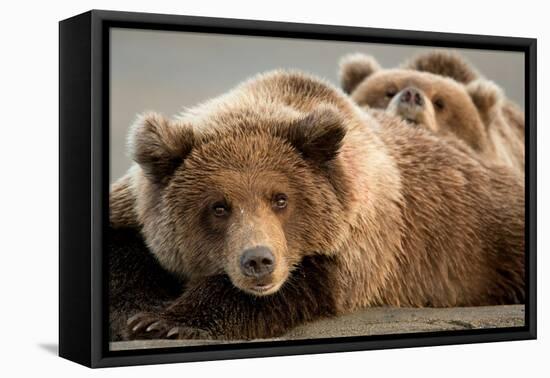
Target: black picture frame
x=84, y=185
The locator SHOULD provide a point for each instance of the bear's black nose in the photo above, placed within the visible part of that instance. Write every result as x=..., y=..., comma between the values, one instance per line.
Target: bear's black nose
x=257, y=262
x=412, y=96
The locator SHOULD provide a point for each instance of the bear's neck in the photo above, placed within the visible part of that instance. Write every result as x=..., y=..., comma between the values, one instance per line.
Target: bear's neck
x=374, y=229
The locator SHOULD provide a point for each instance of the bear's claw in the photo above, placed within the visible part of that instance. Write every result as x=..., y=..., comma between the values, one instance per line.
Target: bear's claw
x=146, y=325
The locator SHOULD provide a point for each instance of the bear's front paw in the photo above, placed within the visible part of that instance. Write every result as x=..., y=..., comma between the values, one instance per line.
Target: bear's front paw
x=148, y=325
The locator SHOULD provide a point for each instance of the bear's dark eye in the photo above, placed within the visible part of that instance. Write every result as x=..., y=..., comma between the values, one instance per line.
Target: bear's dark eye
x=391, y=92
x=439, y=104
x=280, y=201
x=220, y=209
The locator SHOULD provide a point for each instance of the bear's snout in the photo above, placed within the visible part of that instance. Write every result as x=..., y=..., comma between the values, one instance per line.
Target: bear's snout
x=257, y=262
x=256, y=252
x=412, y=96
x=412, y=105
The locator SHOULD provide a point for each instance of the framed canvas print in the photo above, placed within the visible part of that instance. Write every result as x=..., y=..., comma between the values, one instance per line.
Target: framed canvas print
x=234, y=188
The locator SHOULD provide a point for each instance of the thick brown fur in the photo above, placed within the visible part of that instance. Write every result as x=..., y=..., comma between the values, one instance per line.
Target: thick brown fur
x=456, y=102
x=444, y=63
x=454, y=66
x=376, y=212
x=137, y=282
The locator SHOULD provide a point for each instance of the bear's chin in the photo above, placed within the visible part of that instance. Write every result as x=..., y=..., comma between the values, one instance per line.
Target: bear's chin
x=259, y=289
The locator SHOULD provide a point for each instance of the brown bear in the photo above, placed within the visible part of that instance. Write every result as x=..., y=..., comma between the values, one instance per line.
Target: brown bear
x=442, y=93
x=282, y=202
x=450, y=64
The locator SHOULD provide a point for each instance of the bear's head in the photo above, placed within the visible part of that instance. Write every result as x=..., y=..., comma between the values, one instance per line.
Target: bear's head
x=426, y=93
x=240, y=192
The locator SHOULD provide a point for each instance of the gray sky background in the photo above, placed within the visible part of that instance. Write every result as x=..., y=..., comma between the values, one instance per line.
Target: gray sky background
x=166, y=71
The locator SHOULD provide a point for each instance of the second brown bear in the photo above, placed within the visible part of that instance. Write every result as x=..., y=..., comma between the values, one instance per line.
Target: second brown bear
x=441, y=92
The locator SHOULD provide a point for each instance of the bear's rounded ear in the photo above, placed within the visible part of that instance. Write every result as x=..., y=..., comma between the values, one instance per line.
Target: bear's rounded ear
x=354, y=69
x=159, y=145
x=485, y=95
x=443, y=63
x=318, y=135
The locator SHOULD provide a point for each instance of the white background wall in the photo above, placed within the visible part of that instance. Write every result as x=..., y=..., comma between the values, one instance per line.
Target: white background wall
x=29, y=187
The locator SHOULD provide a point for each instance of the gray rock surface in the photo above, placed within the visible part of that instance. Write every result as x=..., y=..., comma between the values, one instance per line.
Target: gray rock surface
x=376, y=321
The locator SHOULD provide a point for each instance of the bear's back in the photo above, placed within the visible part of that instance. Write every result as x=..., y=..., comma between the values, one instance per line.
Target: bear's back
x=463, y=217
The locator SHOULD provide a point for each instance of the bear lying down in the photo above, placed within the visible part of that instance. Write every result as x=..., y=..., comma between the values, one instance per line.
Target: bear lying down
x=282, y=202
x=440, y=92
